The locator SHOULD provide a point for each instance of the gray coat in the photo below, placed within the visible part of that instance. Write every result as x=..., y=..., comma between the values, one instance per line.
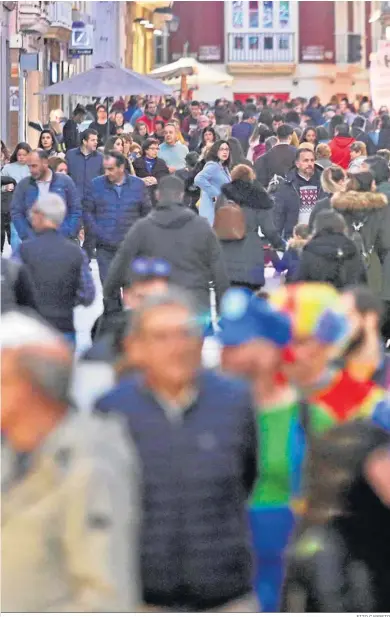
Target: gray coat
x=185, y=240
x=69, y=524
x=373, y=212
x=245, y=258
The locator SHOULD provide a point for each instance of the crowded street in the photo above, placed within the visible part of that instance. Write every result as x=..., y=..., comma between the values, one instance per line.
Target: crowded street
x=195, y=307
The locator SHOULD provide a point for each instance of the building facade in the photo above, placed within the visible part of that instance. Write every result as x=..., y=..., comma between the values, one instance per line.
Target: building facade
x=287, y=48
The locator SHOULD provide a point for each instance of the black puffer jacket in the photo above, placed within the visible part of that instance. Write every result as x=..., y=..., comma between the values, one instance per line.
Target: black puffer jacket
x=245, y=258
x=371, y=212
x=331, y=258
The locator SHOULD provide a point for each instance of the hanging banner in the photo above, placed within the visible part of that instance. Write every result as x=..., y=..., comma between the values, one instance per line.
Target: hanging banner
x=284, y=13
x=268, y=14
x=238, y=14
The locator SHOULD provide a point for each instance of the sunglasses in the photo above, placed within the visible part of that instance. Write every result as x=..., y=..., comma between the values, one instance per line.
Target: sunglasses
x=151, y=267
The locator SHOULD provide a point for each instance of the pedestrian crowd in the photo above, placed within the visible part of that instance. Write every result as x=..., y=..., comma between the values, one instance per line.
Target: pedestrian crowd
x=220, y=446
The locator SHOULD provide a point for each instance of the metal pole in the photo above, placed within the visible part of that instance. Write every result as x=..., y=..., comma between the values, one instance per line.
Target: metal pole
x=22, y=103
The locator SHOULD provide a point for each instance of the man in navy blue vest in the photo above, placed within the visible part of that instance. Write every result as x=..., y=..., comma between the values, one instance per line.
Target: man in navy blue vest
x=196, y=437
x=57, y=266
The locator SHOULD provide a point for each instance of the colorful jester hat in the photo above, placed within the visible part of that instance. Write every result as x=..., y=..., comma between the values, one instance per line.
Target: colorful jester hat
x=315, y=310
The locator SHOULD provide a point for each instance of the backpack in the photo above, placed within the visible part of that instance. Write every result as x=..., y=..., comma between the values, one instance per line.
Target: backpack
x=358, y=239
x=229, y=221
x=274, y=183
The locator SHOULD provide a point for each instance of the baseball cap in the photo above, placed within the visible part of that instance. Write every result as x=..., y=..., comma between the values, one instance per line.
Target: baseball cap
x=245, y=317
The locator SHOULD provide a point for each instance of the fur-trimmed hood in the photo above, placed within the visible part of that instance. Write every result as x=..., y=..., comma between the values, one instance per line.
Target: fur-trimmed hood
x=247, y=194
x=353, y=201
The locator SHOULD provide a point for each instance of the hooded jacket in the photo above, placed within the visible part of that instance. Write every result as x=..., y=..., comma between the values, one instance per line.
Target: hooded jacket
x=245, y=258
x=340, y=152
x=331, y=258
x=185, y=240
x=371, y=212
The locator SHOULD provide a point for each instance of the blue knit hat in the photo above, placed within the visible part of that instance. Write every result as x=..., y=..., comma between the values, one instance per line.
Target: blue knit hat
x=245, y=317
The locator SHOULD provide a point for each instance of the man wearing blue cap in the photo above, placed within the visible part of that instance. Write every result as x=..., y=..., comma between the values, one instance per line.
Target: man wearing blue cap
x=254, y=335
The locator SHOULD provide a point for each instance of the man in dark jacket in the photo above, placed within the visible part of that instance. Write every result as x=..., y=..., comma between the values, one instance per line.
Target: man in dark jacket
x=243, y=130
x=176, y=234
x=296, y=197
x=195, y=434
x=85, y=164
x=58, y=267
x=113, y=203
x=41, y=183
x=359, y=133
x=70, y=132
x=279, y=160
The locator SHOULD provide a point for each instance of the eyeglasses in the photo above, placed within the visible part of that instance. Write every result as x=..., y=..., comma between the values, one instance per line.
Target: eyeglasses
x=145, y=267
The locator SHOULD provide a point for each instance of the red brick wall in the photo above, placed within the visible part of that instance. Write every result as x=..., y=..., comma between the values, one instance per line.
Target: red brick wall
x=201, y=24
x=316, y=30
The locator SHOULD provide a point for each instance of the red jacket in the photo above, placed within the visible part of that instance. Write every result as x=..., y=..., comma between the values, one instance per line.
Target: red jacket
x=150, y=122
x=340, y=152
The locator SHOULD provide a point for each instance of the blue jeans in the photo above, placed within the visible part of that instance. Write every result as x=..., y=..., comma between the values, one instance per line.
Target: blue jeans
x=15, y=240
x=104, y=258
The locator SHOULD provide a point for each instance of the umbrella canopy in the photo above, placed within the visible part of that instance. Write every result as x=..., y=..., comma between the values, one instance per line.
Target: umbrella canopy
x=106, y=80
x=196, y=72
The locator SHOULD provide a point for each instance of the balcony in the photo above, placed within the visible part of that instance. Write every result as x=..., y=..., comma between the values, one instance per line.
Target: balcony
x=261, y=48
x=33, y=17
x=60, y=16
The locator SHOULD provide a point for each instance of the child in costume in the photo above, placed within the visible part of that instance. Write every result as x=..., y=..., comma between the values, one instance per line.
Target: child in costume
x=253, y=336
x=320, y=330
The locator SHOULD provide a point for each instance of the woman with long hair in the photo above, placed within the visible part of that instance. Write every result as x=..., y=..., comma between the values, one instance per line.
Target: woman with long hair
x=150, y=167
x=333, y=180
x=367, y=214
x=17, y=169
x=119, y=126
x=245, y=258
x=309, y=135
x=117, y=143
x=237, y=156
x=209, y=137
x=215, y=173
x=257, y=141
x=48, y=142
x=140, y=133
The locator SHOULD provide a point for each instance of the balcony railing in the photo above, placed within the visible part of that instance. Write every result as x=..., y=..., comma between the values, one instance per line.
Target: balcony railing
x=33, y=17
x=60, y=15
x=273, y=47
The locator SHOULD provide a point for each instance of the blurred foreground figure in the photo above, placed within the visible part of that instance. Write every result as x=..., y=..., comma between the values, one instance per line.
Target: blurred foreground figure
x=253, y=335
x=69, y=495
x=340, y=561
x=196, y=436
x=322, y=328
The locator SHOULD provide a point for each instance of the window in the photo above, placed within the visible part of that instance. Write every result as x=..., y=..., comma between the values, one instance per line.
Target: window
x=284, y=13
x=283, y=42
x=268, y=14
x=253, y=42
x=268, y=43
x=238, y=14
x=238, y=42
x=253, y=14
